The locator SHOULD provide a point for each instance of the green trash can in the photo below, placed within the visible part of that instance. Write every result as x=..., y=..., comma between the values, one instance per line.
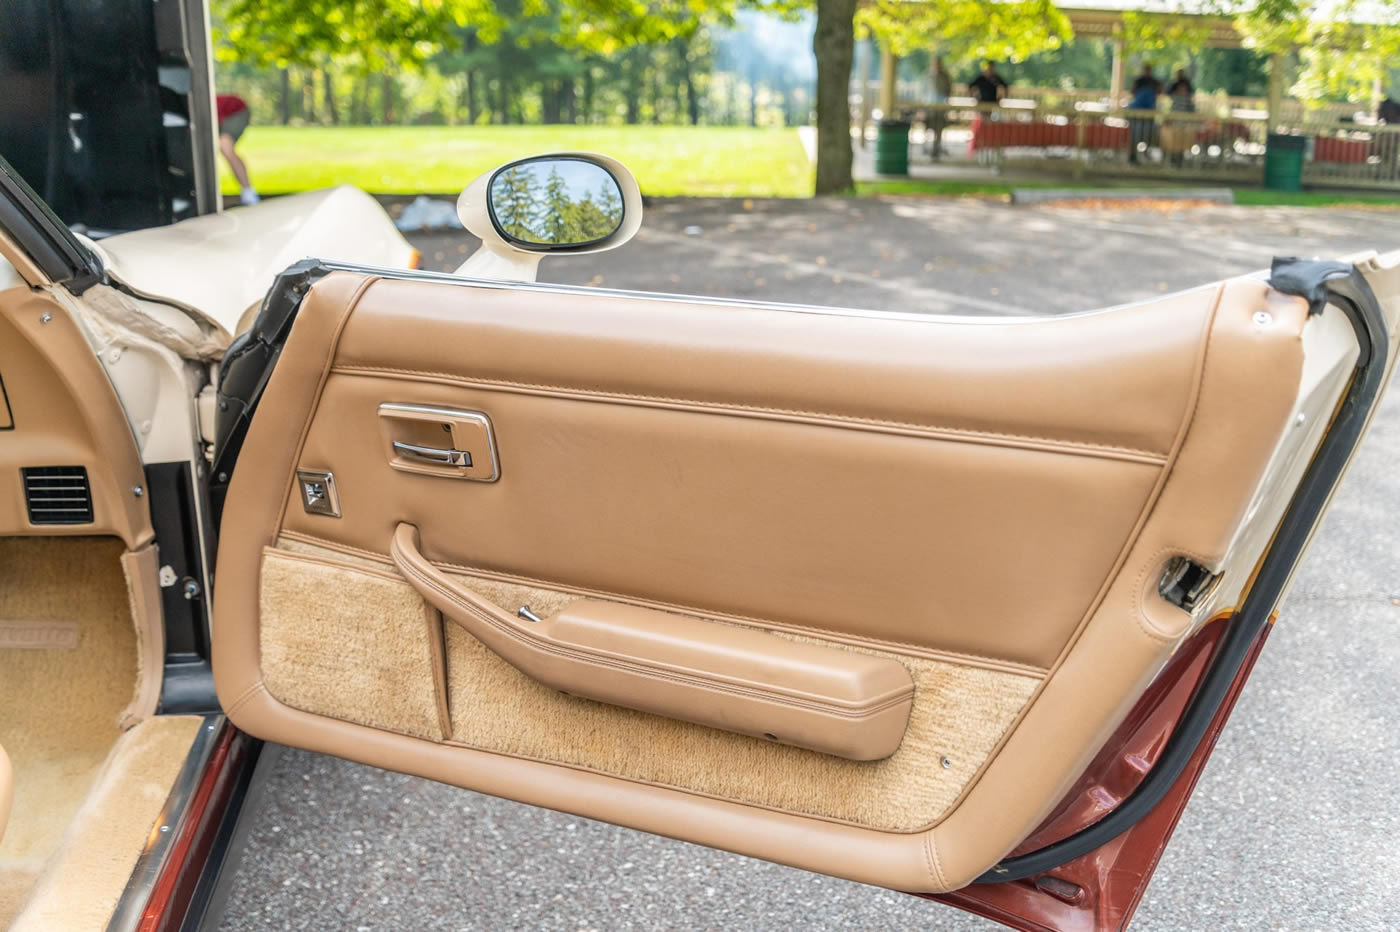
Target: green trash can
x=892, y=147
x=1283, y=162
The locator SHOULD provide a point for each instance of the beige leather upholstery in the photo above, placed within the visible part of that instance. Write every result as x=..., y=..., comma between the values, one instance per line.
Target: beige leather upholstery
x=63, y=411
x=21, y=262
x=7, y=790
x=998, y=496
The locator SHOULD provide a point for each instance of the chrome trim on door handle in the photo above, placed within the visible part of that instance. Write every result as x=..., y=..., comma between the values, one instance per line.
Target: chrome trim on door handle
x=437, y=455
x=471, y=451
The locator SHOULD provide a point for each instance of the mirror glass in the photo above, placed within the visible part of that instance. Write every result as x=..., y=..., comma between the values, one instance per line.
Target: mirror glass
x=555, y=202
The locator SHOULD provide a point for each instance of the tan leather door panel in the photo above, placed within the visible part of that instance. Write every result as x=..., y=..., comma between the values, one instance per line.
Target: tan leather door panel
x=981, y=510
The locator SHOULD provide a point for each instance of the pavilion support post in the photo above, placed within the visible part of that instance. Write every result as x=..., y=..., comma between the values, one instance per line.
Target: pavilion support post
x=1079, y=154
x=888, y=90
x=1115, y=87
x=863, y=70
x=1276, y=67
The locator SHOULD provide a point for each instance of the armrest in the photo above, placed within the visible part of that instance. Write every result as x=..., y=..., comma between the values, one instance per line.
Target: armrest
x=738, y=679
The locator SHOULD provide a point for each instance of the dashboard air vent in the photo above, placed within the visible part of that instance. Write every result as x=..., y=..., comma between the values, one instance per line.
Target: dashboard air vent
x=57, y=495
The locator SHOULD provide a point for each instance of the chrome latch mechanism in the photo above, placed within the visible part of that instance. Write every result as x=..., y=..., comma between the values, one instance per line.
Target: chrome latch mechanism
x=444, y=442
x=438, y=455
x=1186, y=583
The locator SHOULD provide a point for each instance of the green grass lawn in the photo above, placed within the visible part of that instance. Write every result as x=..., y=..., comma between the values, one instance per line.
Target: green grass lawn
x=706, y=161
x=719, y=161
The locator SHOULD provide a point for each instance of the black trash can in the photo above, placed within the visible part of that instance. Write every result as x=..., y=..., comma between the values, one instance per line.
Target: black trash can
x=1283, y=162
x=892, y=147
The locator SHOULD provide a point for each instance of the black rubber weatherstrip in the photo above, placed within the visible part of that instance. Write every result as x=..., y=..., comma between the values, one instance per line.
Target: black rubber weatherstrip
x=1321, y=283
x=39, y=232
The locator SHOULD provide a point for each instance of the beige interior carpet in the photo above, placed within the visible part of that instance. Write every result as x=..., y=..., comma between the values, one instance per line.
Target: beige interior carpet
x=59, y=705
x=85, y=877
x=353, y=645
x=375, y=622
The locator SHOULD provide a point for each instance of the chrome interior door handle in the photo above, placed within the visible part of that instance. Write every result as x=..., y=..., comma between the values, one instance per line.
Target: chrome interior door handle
x=436, y=455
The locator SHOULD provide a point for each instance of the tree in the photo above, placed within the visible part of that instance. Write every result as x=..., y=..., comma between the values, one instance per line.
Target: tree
x=515, y=60
x=609, y=201
x=1345, y=46
x=558, y=210
x=984, y=28
x=588, y=221
x=376, y=33
x=1239, y=72
x=833, y=43
x=976, y=29
x=1082, y=63
x=515, y=201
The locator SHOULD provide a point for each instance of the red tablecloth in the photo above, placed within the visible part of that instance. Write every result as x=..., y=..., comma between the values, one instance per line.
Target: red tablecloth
x=1330, y=149
x=1004, y=134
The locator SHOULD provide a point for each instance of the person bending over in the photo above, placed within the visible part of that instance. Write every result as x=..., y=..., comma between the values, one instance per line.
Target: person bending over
x=234, y=116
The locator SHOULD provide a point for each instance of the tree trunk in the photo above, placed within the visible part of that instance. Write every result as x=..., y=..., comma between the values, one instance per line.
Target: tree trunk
x=680, y=52
x=284, y=98
x=308, y=96
x=386, y=98
x=833, y=43
x=549, y=103
x=470, y=93
x=359, y=103
x=570, y=94
x=657, y=94
x=328, y=96
x=753, y=101
x=588, y=95
x=503, y=98
x=634, y=87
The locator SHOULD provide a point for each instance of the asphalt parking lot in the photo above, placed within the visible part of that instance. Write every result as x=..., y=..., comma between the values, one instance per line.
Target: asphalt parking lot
x=1294, y=823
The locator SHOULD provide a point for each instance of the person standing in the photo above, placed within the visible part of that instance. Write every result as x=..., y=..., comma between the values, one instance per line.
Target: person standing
x=988, y=87
x=234, y=117
x=1177, y=136
x=942, y=90
x=1182, y=93
x=1146, y=87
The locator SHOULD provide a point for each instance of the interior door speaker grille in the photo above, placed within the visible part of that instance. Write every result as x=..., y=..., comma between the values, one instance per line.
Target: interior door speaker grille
x=57, y=495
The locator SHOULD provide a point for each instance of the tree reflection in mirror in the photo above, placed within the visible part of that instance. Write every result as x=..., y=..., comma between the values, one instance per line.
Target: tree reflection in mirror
x=555, y=202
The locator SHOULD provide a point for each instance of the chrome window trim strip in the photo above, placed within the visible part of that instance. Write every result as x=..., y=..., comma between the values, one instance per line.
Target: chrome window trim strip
x=668, y=298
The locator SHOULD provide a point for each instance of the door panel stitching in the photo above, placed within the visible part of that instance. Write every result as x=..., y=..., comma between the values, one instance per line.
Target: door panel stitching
x=967, y=435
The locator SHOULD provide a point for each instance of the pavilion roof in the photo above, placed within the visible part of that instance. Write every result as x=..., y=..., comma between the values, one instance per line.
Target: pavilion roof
x=1097, y=18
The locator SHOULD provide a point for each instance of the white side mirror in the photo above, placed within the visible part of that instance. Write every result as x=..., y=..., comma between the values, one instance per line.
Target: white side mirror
x=560, y=202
